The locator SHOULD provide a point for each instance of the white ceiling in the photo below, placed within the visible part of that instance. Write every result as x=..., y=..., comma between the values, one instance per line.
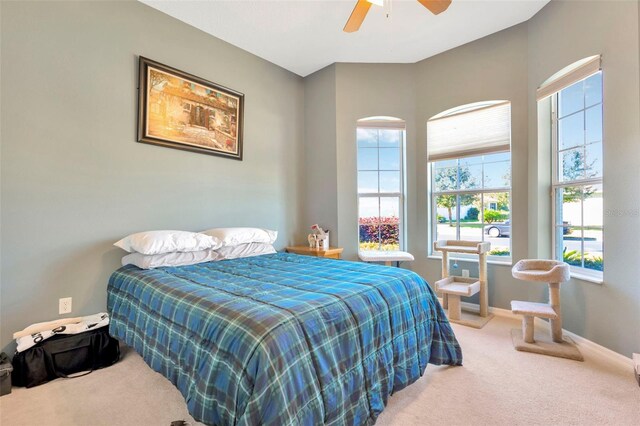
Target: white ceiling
x=304, y=36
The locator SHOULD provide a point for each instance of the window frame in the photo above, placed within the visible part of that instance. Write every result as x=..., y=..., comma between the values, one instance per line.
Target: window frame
x=459, y=192
x=392, y=125
x=576, y=271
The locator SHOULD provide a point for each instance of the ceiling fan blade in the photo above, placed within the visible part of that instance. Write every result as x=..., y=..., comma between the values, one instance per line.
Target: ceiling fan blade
x=357, y=16
x=436, y=6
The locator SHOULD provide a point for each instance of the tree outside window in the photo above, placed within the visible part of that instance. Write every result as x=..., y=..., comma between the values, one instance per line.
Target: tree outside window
x=471, y=199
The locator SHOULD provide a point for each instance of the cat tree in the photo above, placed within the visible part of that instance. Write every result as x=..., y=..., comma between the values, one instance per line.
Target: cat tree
x=454, y=287
x=552, y=272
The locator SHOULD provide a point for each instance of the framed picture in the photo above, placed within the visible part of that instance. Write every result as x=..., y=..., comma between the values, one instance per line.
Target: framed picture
x=179, y=110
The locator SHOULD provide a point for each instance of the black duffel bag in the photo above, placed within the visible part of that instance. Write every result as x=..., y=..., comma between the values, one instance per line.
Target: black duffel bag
x=64, y=355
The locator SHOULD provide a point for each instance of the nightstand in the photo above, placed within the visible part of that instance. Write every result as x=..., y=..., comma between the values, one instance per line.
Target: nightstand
x=331, y=253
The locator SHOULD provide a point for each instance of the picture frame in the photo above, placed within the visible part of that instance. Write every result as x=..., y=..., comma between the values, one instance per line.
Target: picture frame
x=179, y=110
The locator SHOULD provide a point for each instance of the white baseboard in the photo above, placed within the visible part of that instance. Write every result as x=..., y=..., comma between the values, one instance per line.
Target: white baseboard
x=610, y=355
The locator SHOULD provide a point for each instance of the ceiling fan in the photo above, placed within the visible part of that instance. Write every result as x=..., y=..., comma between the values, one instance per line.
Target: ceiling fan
x=362, y=7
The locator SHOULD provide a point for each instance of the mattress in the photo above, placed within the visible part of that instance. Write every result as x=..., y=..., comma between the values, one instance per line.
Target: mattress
x=282, y=339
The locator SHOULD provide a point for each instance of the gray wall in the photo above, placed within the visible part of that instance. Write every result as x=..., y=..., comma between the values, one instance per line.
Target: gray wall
x=510, y=65
x=320, y=165
x=74, y=180
x=560, y=34
x=365, y=91
x=336, y=97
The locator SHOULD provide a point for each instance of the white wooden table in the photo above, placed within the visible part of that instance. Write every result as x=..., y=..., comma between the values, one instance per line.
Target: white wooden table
x=388, y=257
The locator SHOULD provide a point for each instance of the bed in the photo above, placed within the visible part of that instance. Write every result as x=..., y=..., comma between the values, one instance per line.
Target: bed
x=282, y=339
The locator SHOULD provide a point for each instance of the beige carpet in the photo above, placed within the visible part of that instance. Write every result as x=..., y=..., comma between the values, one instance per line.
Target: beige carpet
x=497, y=385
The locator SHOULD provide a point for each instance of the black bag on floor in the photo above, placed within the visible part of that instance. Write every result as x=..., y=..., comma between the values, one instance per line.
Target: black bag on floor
x=63, y=355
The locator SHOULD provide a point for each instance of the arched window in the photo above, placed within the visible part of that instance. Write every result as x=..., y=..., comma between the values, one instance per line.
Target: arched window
x=469, y=155
x=380, y=145
x=575, y=94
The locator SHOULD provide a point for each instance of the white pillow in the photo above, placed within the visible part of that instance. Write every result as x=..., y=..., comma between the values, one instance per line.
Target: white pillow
x=158, y=242
x=235, y=236
x=146, y=261
x=245, y=250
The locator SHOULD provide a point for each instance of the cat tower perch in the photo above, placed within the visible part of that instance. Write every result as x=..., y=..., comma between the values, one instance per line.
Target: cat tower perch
x=454, y=287
x=552, y=272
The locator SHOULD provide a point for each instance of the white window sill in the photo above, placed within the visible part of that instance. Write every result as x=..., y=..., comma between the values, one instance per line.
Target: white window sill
x=587, y=277
x=506, y=262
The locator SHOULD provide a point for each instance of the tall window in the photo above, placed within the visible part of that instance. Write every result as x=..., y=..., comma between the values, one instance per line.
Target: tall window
x=577, y=139
x=380, y=144
x=469, y=150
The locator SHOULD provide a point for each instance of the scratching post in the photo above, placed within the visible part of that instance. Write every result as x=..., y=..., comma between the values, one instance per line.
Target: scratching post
x=445, y=274
x=527, y=328
x=552, y=272
x=455, y=311
x=484, y=293
x=554, y=301
x=454, y=287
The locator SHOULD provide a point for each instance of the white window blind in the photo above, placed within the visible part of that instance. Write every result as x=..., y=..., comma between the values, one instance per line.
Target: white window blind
x=480, y=131
x=382, y=123
x=570, y=75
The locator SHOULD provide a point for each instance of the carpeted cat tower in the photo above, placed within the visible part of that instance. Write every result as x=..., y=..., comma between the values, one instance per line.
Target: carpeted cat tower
x=552, y=272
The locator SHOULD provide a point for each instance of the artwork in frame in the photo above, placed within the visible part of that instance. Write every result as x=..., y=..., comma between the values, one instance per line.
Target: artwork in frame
x=180, y=110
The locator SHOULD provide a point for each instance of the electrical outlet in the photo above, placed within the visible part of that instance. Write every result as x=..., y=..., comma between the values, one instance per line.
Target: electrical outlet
x=465, y=273
x=64, y=305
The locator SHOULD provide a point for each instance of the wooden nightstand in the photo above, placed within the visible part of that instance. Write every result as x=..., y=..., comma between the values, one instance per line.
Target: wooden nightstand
x=331, y=253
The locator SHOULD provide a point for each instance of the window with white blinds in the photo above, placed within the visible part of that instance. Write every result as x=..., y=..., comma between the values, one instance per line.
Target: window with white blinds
x=469, y=160
x=464, y=132
x=569, y=75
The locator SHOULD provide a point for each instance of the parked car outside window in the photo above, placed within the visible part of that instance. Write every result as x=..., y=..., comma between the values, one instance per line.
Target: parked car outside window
x=496, y=230
x=503, y=229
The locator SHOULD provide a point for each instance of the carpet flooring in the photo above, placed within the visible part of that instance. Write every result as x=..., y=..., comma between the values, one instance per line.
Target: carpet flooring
x=497, y=385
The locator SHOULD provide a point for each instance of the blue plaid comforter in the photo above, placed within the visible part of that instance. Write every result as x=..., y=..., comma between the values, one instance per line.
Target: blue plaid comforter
x=282, y=339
